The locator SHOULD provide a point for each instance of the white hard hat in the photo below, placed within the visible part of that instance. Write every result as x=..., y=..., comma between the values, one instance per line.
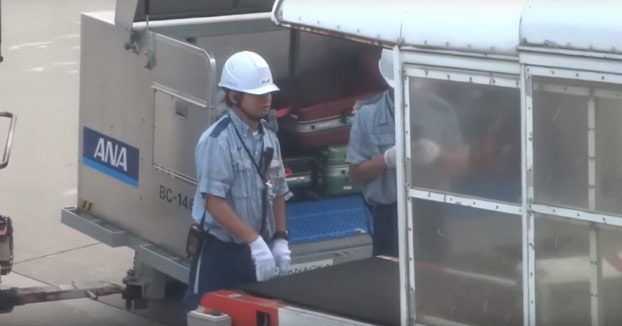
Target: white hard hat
x=247, y=72
x=386, y=67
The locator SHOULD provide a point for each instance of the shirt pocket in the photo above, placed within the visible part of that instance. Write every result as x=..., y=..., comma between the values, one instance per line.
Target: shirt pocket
x=242, y=182
x=382, y=141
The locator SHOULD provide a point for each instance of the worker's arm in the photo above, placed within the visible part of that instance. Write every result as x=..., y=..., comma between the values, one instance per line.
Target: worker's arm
x=215, y=182
x=455, y=159
x=280, y=247
x=455, y=162
x=367, y=170
x=279, y=213
x=281, y=190
x=364, y=162
x=450, y=154
x=228, y=219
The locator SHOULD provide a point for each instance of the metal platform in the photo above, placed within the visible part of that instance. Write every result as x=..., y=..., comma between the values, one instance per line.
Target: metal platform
x=353, y=245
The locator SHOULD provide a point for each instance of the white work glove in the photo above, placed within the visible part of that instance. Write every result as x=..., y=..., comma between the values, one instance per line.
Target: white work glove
x=425, y=152
x=282, y=255
x=265, y=267
x=390, y=157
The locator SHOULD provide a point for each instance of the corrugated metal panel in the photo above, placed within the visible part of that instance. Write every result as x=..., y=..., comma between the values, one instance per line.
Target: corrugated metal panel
x=480, y=26
x=594, y=25
x=362, y=18
x=477, y=26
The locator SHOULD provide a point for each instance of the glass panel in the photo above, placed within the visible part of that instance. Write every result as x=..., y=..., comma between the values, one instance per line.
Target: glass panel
x=465, y=138
x=563, y=273
x=561, y=143
x=462, y=276
x=609, y=155
x=560, y=148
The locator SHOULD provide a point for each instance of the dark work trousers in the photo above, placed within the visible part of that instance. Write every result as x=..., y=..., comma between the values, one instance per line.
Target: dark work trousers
x=219, y=266
x=385, y=236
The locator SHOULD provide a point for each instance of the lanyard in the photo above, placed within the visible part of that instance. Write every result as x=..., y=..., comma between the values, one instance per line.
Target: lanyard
x=259, y=165
x=262, y=176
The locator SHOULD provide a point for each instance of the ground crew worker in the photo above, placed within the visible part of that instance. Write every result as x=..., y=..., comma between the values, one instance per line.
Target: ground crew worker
x=371, y=154
x=241, y=186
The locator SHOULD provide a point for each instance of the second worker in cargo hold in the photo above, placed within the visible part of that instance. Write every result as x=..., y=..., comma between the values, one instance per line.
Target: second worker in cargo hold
x=240, y=198
x=372, y=154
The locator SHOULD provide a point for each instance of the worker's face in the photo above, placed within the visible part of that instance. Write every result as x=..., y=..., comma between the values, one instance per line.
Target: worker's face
x=256, y=107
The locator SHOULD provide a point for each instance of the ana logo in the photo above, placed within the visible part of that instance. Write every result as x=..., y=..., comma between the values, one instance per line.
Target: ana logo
x=111, y=153
x=110, y=156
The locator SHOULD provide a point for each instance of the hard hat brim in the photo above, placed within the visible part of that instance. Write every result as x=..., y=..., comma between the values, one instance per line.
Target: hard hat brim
x=263, y=90
x=389, y=81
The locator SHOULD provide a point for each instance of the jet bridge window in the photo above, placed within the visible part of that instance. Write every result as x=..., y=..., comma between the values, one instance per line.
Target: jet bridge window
x=577, y=144
x=465, y=135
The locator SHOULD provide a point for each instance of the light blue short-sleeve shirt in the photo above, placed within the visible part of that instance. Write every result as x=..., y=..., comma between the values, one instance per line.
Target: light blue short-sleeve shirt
x=372, y=133
x=224, y=169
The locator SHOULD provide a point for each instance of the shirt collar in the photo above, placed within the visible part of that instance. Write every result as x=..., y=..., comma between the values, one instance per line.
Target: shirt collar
x=242, y=127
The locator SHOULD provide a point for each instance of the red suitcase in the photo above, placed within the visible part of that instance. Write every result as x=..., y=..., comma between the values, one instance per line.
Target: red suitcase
x=322, y=107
